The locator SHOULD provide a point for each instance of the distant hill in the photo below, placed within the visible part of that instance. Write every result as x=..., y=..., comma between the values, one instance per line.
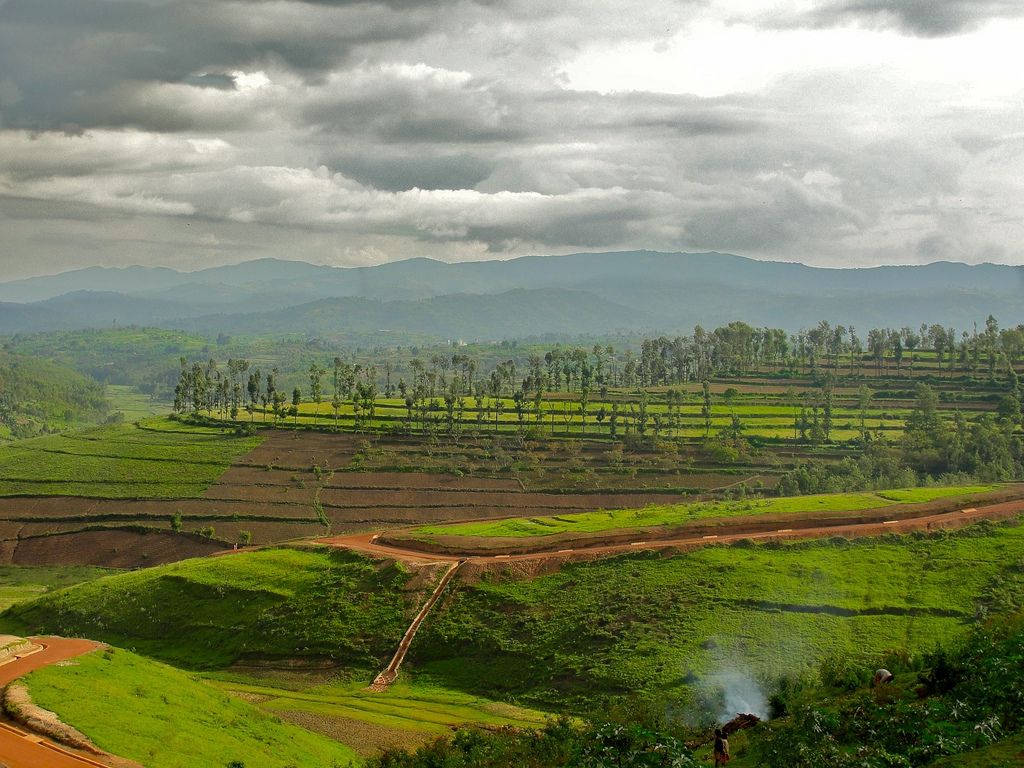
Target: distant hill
x=572, y=294
x=36, y=394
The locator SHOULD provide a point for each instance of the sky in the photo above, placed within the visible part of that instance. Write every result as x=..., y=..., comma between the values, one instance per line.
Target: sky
x=191, y=133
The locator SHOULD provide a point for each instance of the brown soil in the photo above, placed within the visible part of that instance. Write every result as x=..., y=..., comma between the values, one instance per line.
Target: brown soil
x=108, y=548
x=277, y=504
x=366, y=738
x=731, y=530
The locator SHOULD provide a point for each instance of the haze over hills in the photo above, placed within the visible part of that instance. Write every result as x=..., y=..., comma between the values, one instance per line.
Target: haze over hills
x=582, y=293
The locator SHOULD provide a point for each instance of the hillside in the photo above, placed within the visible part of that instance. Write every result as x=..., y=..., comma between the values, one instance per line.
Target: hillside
x=659, y=628
x=582, y=293
x=175, y=720
x=36, y=395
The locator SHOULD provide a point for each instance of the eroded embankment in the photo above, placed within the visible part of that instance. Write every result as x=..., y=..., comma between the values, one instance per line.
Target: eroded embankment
x=719, y=527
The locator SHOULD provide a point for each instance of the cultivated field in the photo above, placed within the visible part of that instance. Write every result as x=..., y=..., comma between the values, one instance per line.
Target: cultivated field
x=132, y=495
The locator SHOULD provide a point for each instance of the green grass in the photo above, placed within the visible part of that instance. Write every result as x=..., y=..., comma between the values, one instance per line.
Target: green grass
x=1007, y=753
x=677, y=514
x=42, y=395
x=421, y=709
x=209, y=612
x=649, y=624
x=157, y=458
x=20, y=583
x=133, y=404
x=165, y=718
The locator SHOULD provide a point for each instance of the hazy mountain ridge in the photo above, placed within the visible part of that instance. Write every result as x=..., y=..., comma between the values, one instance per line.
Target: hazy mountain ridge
x=572, y=294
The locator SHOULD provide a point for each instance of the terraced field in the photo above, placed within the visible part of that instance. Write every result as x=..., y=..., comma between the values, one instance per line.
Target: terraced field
x=155, y=458
x=406, y=715
x=131, y=495
x=674, y=515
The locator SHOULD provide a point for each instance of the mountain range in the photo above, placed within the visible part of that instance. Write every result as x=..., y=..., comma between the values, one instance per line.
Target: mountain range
x=583, y=293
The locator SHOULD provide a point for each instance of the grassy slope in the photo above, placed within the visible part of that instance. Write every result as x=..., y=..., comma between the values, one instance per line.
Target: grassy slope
x=38, y=393
x=651, y=624
x=210, y=611
x=19, y=583
x=165, y=718
x=420, y=712
x=157, y=458
x=639, y=623
x=1008, y=753
x=675, y=514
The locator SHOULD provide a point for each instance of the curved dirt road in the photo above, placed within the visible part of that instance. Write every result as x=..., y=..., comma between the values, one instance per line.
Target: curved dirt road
x=19, y=749
x=739, y=528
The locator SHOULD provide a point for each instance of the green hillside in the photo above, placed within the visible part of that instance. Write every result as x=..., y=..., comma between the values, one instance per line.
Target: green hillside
x=654, y=626
x=657, y=627
x=165, y=718
x=37, y=396
x=154, y=458
x=209, y=612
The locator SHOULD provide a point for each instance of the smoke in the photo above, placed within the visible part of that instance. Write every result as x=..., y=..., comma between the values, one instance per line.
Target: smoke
x=741, y=694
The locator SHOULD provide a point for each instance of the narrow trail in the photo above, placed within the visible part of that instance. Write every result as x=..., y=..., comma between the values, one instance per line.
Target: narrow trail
x=384, y=680
x=734, y=530
x=21, y=749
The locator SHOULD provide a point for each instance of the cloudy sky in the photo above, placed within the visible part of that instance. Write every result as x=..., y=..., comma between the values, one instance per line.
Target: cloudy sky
x=198, y=132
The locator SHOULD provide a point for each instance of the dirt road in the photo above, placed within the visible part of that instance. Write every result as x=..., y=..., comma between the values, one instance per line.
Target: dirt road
x=19, y=749
x=735, y=530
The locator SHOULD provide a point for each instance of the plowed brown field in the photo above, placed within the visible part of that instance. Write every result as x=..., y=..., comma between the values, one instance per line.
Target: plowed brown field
x=271, y=493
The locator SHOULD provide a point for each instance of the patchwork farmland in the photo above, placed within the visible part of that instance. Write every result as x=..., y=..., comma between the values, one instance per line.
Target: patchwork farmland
x=115, y=496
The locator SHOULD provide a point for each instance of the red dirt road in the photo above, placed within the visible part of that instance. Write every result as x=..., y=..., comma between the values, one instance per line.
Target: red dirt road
x=734, y=531
x=19, y=749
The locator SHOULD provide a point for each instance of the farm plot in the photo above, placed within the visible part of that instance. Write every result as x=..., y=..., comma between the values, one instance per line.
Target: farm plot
x=406, y=715
x=118, y=483
x=153, y=459
x=586, y=529
x=646, y=623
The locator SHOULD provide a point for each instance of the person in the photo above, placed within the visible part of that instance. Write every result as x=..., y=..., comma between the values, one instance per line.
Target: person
x=721, y=748
x=882, y=677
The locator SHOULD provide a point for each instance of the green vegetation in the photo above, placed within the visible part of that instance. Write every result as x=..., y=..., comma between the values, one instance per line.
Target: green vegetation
x=19, y=583
x=559, y=744
x=165, y=718
x=1007, y=753
x=131, y=404
x=661, y=627
x=155, y=458
x=38, y=396
x=677, y=514
x=963, y=697
x=957, y=706
x=412, y=711
x=209, y=612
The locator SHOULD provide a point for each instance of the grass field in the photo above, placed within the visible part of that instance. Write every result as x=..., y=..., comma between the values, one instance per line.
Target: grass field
x=165, y=718
x=406, y=714
x=208, y=612
x=133, y=404
x=591, y=522
x=20, y=583
x=1007, y=753
x=158, y=458
x=655, y=625
x=647, y=624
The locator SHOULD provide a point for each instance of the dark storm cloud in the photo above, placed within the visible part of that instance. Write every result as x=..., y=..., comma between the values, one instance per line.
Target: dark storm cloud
x=926, y=18
x=187, y=131
x=84, y=62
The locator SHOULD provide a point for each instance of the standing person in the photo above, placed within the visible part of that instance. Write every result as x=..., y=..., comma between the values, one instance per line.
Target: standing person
x=721, y=748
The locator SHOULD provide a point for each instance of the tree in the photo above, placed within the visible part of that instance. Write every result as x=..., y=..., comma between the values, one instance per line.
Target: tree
x=315, y=375
x=827, y=409
x=864, y=395
x=296, y=400
x=705, y=410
